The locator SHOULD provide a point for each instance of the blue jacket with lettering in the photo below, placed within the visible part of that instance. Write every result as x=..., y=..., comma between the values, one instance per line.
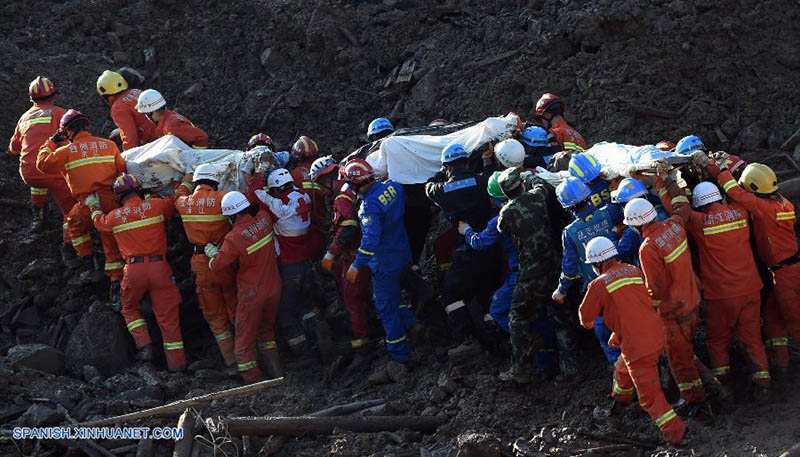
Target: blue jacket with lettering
x=462, y=197
x=481, y=241
x=384, y=243
x=600, y=194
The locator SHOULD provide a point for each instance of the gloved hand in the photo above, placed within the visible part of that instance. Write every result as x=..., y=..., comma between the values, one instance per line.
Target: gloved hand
x=92, y=200
x=721, y=158
x=462, y=227
x=327, y=262
x=558, y=297
x=662, y=168
x=58, y=137
x=700, y=158
x=352, y=274
x=211, y=249
x=264, y=196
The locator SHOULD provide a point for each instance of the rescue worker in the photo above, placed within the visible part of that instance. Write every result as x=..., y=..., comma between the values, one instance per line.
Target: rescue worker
x=201, y=214
x=619, y=294
x=251, y=244
x=134, y=127
x=140, y=230
x=630, y=239
x=260, y=139
x=303, y=152
x=152, y=104
x=341, y=253
x=509, y=154
x=461, y=195
x=674, y=290
x=589, y=222
x=773, y=218
x=550, y=111
x=34, y=127
x=379, y=128
x=586, y=168
x=731, y=283
x=688, y=145
x=538, y=150
x=90, y=165
x=384, y=249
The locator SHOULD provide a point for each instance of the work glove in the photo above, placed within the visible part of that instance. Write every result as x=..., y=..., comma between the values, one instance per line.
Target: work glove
x=327, y=262
x=352, y=274
x=58, y=137
x=662, y=168
x=700, y=158
x=721, y=158
x=463, y=227
x=211, y=249
x=92, y=201
x=264, y=196
x=559, y=297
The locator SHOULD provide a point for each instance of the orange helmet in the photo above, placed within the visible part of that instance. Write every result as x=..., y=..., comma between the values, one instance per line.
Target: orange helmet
x=665, y=145
x=124, y=184
x=73, y=119
x=358, y=171
x=261, y=139
x=304, y=148
x=549, y=102
x=40, y=88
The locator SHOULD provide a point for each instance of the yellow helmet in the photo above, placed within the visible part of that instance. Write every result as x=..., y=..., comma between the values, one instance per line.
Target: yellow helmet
x=110, y=83
x=759, y=178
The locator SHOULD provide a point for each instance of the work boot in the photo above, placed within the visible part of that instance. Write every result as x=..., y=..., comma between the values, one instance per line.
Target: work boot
x=68, y=256
x=611, y=410
x=516, y=374
x=271, y=364
x=359, y=360
x=114, y=298
x=466, y=348
x=146, y=353
x=231, y=371
x=37, y=224
x=324, y=338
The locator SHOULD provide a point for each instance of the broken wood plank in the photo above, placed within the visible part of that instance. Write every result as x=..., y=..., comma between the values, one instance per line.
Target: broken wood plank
x=490, y=60
x=723, y=139
x=302, y=426
x=603, y=449
x=183, y=445
x=275, y=103
x=654, y=112
x=406, y=71
x=791, y=160
x=791, y=142
x=348, y=408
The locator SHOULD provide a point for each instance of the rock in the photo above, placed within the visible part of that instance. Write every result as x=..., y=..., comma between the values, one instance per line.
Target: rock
x=445, y=382
x=37, y=268
x=796, y=153
x=396, y=371
x=27, y=317
x=143, y=393
x=752, y=137
x=478, y=445
x=36, y=356
x=91, y=373
x=193, y=90
x=100, y=339
x=430, y=411
x=40, y=415
x=428, y=88
x=73, y=304
x=437, y=395
x=271, y=59
x=44, y=300
x=123, y=30
x=730, y=128
x=704, y=5
x=121, y=57
x=150, y=61
x=133, y=76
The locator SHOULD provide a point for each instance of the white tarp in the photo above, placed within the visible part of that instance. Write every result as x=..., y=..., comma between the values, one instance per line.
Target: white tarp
x=616, y=158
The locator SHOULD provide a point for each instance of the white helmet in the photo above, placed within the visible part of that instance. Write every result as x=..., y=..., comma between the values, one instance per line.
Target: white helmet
x=278, y=178
x=705, y=193
x=510, y=153
x=638, y=212
x=234, y=202
x=599, y=249
x=149, y=101
x=205, y=171
x=322, y=166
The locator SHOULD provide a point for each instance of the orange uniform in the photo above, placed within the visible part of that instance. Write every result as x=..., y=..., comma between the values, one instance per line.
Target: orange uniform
x=138, y=226
x=35, y=127
x=567, y=137
x=731, y=283
x=134, y=127
x=172, y=123
x=203, y=222
x=90, y=165
x=320, y=217
x=667, y=265
x=251, y=242
x=773, y=227
x=620, y=296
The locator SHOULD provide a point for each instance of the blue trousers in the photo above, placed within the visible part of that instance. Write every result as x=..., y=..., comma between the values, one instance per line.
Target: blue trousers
x=395, y=319
x=603, y=334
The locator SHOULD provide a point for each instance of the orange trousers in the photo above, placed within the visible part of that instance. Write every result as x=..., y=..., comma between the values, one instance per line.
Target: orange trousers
x=354, y=295
x=740, y=316
x=680, y=353
x=642, y=375
x=79, y=226
x=256, y=312
x=782, y=315
x=155, y=278
x=216, y=295
x=41, y=185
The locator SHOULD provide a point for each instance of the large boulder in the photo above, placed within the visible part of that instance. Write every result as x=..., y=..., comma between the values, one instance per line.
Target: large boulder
x=40, y=415
x=101, y=340
x=37, y=356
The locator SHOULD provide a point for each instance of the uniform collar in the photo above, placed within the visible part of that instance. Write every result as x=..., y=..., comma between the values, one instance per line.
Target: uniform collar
x=80, y=135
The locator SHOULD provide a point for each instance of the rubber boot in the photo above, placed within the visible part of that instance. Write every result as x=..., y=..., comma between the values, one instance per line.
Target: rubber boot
x=271, y=363
x=516, y=374
x=37, y=224
x=114, y=296
x=68, y=256
x=324, y=339
x=468, y=347
x=146, y=353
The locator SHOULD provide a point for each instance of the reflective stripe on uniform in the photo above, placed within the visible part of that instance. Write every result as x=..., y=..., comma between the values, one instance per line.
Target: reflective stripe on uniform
x=672, y=256
x=134, y=324
x=311, y=185
x=260, y=243
x=309, y=315
x=405, y=305
x=365, y=252
x=721, y=370
x=666, y=417
x=246, y=366
x=355, y=344
x=345, y=196
x=349, y=223
x=401, y=339
x=297, y=340
x=80, y=240
x=138, y=224
x=729, y=185
x=622, y=283
x=38, y=191
x=454, y=306
x=620, y=391
x=267, y=345
x=202, y=217
x=174, y=346
x=775, y=342
x=224, y=335
x=114, y=265
x=36, y=120
x=689, y=385
x=89, y=161
x=487, y=317
x=785, y=216
x=96, y=212
x=679, y=199
x=568, y=146
x=761, y=375
x=735, y=225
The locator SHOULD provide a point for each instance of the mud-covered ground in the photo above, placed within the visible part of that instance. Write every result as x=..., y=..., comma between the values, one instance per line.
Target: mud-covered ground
x=632, y=72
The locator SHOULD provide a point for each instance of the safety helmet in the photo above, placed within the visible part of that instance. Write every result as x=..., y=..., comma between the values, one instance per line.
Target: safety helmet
x=688, y=144
x=638, y=212
x=110, y=83
x=304, y=148
x=73, y=119
x=205, y=171
x=493, y=187
x=550, y=102
x=278, y=178
x=150, y=100
x=510, y=153
x=599, y=249
x=627, y=190
x=234, y=202
x=534, y=136
x=379, y=125
x=759, y=179
x=705, y=193
x=358, y=171
x=509, y=180
x=124, y=184
x=453, y=152
x=584, y=167
x=260, y=139
x=321, y=167
x=665, y=145
x=40, y=88
x=571, y=191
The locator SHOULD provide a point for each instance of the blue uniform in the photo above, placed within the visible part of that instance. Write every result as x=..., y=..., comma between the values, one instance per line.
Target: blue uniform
x=599, y=193
x=385, y=249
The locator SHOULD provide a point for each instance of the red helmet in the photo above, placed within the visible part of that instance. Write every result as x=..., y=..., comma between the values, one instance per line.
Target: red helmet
x=125, y=183
x=358, y=171
x=549, y=102
x=40, y=88
x=73, y=119
x=261, y=139
x=305, y=148
x=665, y=145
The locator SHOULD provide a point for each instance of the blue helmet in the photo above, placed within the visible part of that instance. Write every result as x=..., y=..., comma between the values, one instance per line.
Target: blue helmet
x=688, y=145
x=571, y=191
x=379, y=125
x=584, y=167
x=627, y=190
x=454, y=152
x=534, y=136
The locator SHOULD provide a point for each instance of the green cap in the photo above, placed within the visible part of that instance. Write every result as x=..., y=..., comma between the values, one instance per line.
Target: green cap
x=493, y=187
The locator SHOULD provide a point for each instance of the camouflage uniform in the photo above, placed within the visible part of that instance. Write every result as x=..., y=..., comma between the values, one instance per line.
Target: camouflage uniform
x=526, y=220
